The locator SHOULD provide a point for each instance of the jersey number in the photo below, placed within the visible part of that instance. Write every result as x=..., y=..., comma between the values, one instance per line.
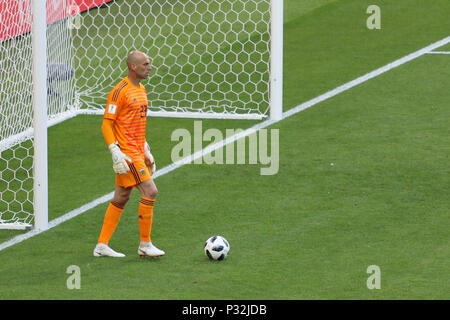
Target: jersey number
x=144, y=111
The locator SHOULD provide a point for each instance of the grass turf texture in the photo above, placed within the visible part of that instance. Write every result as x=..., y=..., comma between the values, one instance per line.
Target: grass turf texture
x=308, y=232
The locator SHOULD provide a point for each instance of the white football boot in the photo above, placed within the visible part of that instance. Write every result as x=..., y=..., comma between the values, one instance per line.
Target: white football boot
x=102, y=250
x=147, y=249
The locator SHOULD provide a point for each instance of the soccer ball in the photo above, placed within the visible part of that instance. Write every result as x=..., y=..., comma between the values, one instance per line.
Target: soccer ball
x=217, y=248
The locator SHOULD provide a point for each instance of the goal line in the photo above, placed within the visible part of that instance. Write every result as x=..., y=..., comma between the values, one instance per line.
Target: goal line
x=439, y=52
x=232, y=139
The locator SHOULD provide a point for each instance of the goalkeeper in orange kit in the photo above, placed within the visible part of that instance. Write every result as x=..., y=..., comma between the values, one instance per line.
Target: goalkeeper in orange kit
x=124, y=127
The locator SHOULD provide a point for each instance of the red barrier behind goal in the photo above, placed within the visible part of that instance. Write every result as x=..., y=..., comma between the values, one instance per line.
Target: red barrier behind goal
x=15, y=15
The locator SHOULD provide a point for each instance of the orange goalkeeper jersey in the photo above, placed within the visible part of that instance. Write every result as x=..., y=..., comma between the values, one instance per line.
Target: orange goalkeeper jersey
x=127, y=107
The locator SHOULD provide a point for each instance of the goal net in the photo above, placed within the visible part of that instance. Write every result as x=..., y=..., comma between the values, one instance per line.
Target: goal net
x=210, y=59
x=208, y=56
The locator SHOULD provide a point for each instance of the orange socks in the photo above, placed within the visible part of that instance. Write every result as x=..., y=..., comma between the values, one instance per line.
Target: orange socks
x=110, y=222
x=145, y=218
x=112, y=218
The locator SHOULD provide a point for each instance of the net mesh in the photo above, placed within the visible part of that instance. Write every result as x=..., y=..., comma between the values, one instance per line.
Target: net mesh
x=207, y=55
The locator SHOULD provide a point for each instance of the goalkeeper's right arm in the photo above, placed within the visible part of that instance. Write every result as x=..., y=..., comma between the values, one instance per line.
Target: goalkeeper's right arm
x=120, y=165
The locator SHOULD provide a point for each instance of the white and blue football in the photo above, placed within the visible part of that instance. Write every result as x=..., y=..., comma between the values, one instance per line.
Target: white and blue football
x=217, y=248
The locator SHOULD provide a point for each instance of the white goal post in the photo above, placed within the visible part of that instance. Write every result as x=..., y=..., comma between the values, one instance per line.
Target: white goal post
x=210, y=58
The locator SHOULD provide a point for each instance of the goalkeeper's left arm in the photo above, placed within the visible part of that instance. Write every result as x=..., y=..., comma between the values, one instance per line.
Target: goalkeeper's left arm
x=149, y=159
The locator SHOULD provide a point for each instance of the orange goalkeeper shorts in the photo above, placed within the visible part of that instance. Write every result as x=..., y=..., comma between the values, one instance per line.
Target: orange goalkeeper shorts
x=138, y=173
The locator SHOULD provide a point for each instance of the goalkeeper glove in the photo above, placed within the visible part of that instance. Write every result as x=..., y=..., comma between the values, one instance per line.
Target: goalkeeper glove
x=120, y=165
x=149, y=159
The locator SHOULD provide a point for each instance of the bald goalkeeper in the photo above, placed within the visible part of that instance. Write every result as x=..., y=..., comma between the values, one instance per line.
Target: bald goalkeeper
x=124, y=128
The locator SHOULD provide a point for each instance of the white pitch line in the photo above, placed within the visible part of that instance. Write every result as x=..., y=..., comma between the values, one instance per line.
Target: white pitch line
x=237, y=136
x=439, y=52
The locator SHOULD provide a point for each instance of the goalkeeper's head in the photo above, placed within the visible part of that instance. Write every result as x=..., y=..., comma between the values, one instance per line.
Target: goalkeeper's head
x=138, y=64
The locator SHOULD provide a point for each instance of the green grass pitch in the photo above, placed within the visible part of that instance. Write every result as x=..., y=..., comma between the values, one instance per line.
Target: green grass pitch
x=363, y=180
